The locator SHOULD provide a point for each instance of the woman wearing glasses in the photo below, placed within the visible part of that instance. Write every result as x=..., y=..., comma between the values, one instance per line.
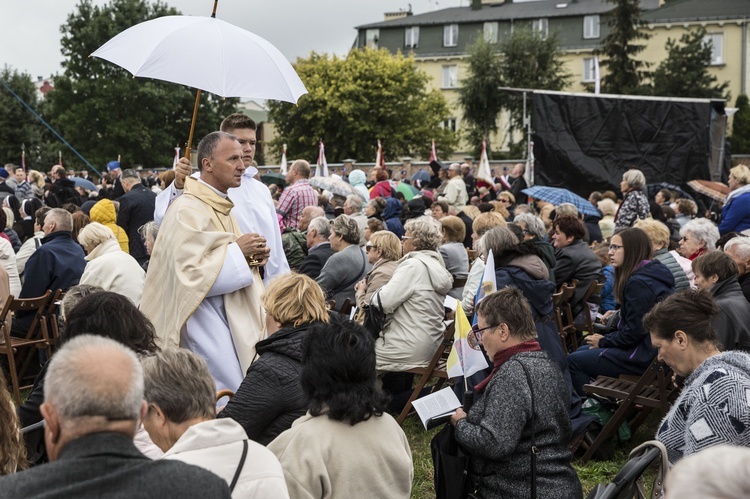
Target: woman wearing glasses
x=699, y=236
x=523, y=396
x=639, y=284
x=383, y=252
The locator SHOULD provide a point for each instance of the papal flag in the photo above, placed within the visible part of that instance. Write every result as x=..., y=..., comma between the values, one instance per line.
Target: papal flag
x=466, y=357
x=484, y=173
x=176, y=157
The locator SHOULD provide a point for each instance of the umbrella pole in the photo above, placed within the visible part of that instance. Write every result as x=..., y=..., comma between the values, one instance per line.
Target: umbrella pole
x=192, y=124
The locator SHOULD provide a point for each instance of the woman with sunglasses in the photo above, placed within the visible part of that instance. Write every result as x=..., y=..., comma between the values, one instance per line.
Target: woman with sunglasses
x=383, y=252
x=524, y=395
x=639, y=284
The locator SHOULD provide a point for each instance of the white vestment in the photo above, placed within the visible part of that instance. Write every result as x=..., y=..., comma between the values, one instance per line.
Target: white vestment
x=254, y=211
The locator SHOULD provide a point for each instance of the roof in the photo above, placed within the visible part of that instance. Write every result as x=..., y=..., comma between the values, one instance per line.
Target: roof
x=501, y=12
x=692, y=10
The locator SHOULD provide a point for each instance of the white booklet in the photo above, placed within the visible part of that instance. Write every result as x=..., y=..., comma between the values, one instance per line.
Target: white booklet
x=436, y=405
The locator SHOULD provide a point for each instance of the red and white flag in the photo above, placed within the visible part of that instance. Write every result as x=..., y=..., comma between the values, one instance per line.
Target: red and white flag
x=597, y=76
x=176, y=157
x=321, y=169
x=484, y=173
x=433, y=153
x=379, y=160
x=282, y=166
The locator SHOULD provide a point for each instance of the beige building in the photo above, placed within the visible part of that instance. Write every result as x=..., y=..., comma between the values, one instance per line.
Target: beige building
x=439, y=40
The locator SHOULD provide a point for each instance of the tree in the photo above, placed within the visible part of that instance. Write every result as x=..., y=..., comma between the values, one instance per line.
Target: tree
x=478, y=94
x=104, y=112
x=684, y=73
x=356, y=100
x=625, y=74
x=741, y=126
x=529, y=61
x=18, y=127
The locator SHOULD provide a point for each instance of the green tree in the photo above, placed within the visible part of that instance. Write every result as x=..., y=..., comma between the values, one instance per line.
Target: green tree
x=741, y=126
x=478, y=94
x=529, y=61
x=102, y=111
x=18, y=127
x=625, y=74
x=684, y=73
x=356, y=100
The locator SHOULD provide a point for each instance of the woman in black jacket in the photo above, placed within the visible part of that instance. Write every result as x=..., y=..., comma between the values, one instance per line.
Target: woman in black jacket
x=270, y=397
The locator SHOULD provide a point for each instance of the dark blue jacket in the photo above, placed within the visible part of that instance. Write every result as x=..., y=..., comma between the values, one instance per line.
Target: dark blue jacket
x=735, y=216
x=57, y=264
x=630, y=343
x=390, y=216
x=136, y=208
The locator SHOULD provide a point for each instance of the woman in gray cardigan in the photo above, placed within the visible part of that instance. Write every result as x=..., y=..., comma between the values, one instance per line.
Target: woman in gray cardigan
x=524, y=392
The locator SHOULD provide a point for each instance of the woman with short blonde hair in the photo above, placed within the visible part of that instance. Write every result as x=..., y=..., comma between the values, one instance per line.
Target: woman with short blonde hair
x=454, y=253
x=658, y=234
x=270, y=397
x=295, y=299
x=454, y=230
x=383, y=252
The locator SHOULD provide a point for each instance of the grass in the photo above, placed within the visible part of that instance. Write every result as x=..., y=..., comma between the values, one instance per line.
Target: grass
x=590, y=474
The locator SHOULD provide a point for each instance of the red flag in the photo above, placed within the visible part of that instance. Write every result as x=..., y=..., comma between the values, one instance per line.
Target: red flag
x=379, y=160
x=433, y=153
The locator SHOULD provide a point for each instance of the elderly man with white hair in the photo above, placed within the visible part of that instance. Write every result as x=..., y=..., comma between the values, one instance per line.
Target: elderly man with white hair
x=181, y=420
x=93, y=401
x=739, y=249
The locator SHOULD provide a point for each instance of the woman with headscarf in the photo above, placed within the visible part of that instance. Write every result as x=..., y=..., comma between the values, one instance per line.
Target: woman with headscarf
x=357, y=179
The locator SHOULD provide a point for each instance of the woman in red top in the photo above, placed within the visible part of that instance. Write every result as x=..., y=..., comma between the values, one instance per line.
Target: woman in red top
x=383, y=187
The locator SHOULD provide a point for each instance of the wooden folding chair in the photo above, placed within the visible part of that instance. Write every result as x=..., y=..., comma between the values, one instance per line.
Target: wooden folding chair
x=595, y=288
x=435, y=369
x=564, y=317
x=346, y=307
x=459, y=282
x=226, y=392
x=651, y=391
x=37, y=337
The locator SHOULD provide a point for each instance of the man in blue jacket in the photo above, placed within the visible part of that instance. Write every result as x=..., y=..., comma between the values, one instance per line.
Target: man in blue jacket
x=57, y=264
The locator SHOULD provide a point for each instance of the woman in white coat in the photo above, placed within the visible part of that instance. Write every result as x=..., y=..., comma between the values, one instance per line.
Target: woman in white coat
x=413, y=303
x=108, y=266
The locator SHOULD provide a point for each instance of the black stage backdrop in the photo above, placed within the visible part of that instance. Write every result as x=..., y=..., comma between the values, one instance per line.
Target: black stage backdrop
x=586, y=143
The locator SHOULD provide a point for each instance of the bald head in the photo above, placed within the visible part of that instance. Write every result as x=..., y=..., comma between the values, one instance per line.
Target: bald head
x=308, y=213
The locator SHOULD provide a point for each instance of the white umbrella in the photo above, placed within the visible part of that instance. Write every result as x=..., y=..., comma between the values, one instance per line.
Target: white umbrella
x=224, y=59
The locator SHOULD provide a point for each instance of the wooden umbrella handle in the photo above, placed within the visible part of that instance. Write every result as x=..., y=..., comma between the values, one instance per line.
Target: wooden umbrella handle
x=192, y=124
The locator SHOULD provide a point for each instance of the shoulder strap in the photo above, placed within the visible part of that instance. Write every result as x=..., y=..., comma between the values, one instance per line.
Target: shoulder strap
x=239, y=466
x=534, y=450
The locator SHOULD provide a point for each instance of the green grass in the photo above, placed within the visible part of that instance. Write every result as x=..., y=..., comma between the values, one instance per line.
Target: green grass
x=590, y=474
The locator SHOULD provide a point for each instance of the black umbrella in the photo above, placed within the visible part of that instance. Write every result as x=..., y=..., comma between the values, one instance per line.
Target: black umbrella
x=654, y=188
x=274, y=178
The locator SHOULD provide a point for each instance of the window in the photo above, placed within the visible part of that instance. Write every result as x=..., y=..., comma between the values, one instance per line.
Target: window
x=589, y=69
x=450, y=35
x=449, y=123
x=717, y=47
x=490, y=32
x=411, y=37
x=541, y=26
x=450, y=76
x=591, y=26
x=371, y=38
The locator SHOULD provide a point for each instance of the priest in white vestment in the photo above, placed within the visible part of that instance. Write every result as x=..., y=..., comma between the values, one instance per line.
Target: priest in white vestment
x=253, y=206
x=201, y=292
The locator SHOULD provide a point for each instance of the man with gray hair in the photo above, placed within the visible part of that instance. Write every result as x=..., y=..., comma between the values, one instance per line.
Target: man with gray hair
x=93, y=401
x=455, y=191
x=181, y=420
x=353, y=208
x=136, y=209
x=57, y=264
x=318, y=247
x=203, y=288
x=738, y=248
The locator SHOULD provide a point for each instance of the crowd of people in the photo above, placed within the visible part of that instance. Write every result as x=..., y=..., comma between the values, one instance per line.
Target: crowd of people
x=303, y=311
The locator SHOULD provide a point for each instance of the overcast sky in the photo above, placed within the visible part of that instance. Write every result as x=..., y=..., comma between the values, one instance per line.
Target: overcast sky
x=30, y=35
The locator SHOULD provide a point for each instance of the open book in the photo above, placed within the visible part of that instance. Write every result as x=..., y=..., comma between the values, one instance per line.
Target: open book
x=436, y=408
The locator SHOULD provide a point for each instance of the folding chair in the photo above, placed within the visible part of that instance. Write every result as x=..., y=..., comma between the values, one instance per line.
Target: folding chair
x=564, y=317
x=36, y=337
x=226, y=392
x=346, y=307
x=459, y=282
x=435, y=369
x=651, y=391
